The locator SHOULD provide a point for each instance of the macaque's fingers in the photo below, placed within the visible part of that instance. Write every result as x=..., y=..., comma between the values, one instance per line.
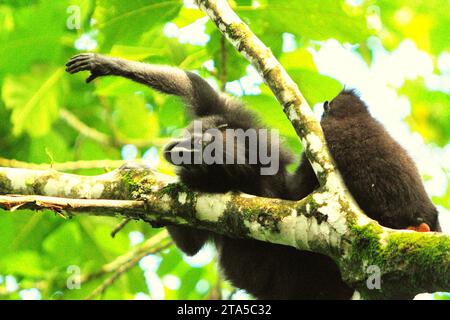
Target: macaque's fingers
x=79, y=66
x=80, y=57
x=91, y=77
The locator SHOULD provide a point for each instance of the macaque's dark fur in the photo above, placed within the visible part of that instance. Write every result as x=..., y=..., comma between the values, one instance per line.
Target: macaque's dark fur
x=378, y=172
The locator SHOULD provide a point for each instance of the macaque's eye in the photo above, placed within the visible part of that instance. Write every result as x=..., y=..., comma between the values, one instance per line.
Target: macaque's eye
x=326, y=106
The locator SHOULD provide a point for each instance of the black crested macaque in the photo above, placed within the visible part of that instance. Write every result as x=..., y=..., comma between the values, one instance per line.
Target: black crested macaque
x=377, y=171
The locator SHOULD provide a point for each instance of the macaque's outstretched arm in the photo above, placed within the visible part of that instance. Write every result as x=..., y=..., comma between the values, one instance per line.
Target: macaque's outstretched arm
x=191, y=87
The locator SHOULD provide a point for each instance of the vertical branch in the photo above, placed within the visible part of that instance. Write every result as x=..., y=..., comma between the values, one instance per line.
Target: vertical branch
x=223, y=63
x=288, y=94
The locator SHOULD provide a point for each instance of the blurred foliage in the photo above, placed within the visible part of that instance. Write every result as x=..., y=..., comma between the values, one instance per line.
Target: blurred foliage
x=430, y=115
x=36, y=39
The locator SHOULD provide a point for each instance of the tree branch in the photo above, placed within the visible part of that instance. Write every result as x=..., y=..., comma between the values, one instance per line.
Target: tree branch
x=126, y=262
x=294, y=104
x=67, y=166
x=223, y=74
x=102, y=138
x=114, y=269
x=409, y=261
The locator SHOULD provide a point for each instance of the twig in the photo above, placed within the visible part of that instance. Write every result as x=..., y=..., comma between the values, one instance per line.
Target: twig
x=124, y=263
x=58, y=205
x=65, y=166
x=82, y=128
x=223, y=63
x=120, y=227
x=105, y=139
x=117, y=267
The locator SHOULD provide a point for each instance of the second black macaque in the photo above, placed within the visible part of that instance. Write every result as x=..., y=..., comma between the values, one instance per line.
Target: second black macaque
x=377, y=171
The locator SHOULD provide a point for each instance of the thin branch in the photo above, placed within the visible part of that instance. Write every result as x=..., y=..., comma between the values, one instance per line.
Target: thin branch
x=66, y=166
x=120, y=227
x=109, y=118
x=102, y=138
x=72, y=206
x=223, y=75
x=84, y=129
x=117, y=267
x=126, y=262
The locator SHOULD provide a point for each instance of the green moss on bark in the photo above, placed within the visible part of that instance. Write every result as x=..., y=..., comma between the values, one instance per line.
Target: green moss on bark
x=5, y=185
x=398, y=256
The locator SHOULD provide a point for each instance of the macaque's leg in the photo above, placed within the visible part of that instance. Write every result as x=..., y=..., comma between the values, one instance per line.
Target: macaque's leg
x=188, y=240
x=195, y=90
x=303, y=182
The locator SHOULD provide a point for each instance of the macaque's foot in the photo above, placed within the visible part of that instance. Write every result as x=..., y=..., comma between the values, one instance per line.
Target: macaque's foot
x=423, y=227
x=97, y=64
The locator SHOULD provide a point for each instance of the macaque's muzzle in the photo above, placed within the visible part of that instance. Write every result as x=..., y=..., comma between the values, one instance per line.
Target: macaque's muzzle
x=180, y=151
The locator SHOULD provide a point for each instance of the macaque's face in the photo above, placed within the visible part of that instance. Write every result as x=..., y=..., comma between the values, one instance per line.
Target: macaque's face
x=211, y=146
x=189, y=150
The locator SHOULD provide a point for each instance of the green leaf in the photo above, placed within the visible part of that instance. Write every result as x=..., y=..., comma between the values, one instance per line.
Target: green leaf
x=117, y=87
x=189, y=281
x=419, y=21
x=271, y=113
x=33, y=34
x=136, y=53
x=25, y=231
x=430, y=114
x=135, y=280
x=23, y=263
x=315, y=87
x=124, y=22
x=101, y=235
x=34, y=99
x=64, y=246
x=308, y=19
x=188, y=16
x=133, y=119
x=172, y=113
x=300, y=58
x=171, y=260
x=235, y=63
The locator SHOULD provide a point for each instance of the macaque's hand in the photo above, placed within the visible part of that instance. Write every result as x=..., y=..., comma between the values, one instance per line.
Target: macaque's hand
x=97, y=64
x=423, y=227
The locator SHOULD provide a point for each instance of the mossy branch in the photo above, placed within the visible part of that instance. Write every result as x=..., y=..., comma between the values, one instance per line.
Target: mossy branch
x=409, y=262
x=284, y=88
